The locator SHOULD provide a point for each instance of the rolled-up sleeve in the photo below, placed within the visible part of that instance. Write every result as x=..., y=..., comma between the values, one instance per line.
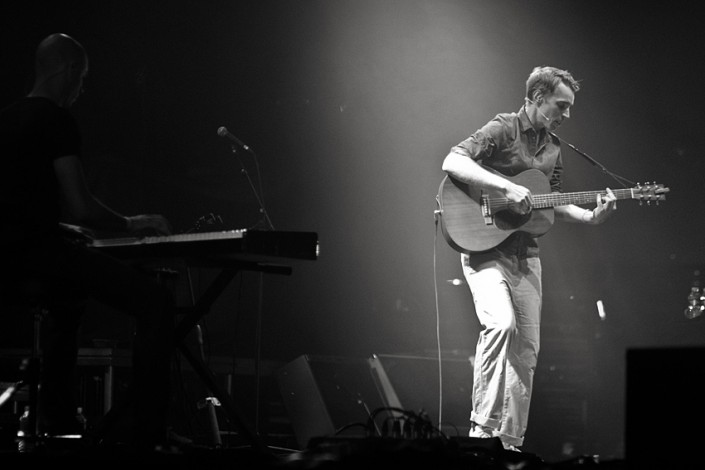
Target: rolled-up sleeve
x=478, y=146
x=482, y=143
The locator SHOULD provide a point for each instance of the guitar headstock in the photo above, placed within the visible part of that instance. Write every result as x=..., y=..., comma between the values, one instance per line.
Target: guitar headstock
x=649, y=192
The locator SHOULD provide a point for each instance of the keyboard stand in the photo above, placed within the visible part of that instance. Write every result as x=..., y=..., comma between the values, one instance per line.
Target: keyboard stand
x=229, y=269
x=192, y=318
x=231, y=251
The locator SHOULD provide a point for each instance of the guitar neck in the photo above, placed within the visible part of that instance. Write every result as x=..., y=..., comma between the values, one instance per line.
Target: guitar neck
x=582, y=197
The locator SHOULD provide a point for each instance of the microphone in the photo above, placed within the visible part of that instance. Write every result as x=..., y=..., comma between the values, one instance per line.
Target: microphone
x=223, y=132
x=541, y=113
x=537, y=109
x=544, y=116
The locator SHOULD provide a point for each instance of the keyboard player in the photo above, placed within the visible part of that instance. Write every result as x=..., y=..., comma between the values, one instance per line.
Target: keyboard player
x=44, y=185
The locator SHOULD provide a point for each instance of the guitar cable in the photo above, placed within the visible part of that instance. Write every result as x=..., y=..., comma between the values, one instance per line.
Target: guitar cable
x=437, y=214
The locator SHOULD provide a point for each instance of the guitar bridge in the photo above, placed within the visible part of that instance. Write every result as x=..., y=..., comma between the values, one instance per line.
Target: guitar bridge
x=486, y=210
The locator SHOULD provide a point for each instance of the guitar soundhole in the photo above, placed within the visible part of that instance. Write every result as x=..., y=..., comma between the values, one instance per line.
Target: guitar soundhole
x=508, y=220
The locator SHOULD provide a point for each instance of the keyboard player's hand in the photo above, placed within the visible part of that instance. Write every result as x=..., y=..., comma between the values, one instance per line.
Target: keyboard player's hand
x=148, y=224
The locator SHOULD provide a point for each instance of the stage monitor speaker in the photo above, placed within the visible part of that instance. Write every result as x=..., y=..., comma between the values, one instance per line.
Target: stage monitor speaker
x=665, y=409
x=327, y=395
x=414, y=384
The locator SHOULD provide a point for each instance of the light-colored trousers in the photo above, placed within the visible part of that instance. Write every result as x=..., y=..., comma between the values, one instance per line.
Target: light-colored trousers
x=506, y=291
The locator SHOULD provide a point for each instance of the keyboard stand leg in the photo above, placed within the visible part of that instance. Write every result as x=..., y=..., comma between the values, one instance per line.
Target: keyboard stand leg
x=192, y=318
x=203, y=304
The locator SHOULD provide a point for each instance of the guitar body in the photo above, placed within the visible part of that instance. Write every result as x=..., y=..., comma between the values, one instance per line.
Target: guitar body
x=466, y=227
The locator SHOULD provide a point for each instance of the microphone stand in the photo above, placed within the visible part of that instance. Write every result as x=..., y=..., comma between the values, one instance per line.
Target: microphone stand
x=262, y=210
x=258, y=330
x=621, y=180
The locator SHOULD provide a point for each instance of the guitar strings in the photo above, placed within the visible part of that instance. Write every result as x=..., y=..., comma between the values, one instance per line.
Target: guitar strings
x=583, y=197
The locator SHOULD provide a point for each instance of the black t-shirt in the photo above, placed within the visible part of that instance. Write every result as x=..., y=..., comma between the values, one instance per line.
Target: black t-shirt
x=33, y=133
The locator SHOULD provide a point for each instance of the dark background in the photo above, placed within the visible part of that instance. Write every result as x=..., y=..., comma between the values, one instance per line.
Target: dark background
x=350, y=108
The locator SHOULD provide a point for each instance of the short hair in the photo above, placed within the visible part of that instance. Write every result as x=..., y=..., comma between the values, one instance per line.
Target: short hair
x=544, y=80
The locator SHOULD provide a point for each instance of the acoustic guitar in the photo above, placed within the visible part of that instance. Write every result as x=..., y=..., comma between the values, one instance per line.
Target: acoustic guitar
x=474, y=221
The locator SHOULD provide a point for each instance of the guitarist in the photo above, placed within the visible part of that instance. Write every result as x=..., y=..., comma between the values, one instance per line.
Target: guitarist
x=505, y=281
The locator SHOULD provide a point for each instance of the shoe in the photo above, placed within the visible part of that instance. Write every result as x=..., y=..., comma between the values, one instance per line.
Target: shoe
x=65, y=428
x=177, y=439
x=482, y=432
x=510, y=447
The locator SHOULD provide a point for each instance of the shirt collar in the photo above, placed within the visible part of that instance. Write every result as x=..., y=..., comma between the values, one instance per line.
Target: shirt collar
x=525, y=123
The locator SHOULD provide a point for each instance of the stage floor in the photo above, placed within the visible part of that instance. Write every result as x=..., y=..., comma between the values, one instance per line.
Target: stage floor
x=328, y=453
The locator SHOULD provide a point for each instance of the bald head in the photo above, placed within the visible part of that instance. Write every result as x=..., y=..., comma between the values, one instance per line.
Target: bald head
x=57, y=52
x=60, y=64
